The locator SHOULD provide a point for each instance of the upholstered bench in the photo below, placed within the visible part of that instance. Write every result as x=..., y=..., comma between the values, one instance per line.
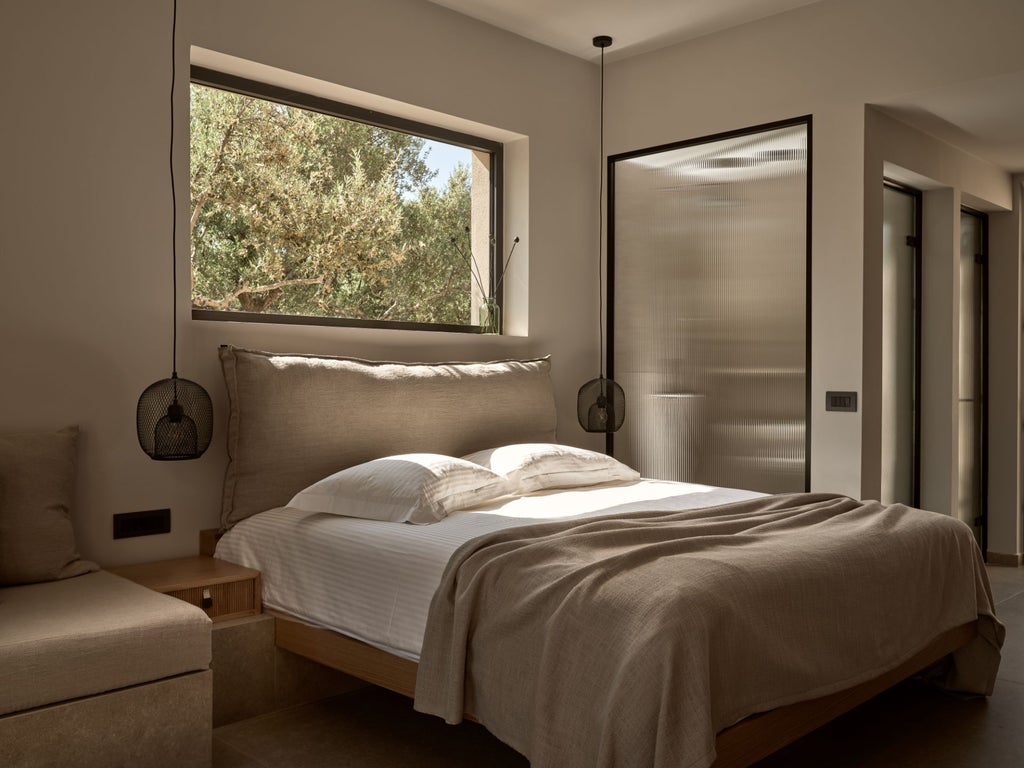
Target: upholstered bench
x=96, y=670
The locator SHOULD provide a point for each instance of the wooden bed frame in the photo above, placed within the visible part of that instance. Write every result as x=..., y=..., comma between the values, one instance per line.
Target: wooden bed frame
x=738, y=746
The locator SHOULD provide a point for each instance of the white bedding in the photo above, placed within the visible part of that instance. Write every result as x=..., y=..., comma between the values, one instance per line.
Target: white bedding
x=374, y=580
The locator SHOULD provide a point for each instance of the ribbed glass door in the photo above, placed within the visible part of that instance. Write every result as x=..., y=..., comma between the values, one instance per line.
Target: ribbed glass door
x=709, y=322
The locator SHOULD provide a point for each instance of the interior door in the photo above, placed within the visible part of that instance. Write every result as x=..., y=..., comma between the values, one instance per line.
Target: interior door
x=708, y=254
x=972, y=502
x=901, y=269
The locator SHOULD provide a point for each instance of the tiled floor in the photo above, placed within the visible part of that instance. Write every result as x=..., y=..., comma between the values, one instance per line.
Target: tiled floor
x=909, y=726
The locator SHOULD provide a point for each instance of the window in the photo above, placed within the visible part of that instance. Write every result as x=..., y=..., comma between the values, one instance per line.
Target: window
x=307, y=210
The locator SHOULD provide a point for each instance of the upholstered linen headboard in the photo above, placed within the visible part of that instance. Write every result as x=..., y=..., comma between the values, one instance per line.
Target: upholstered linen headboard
x=294, y=419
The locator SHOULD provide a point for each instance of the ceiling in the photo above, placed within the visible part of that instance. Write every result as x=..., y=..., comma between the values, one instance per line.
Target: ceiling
x=985, y=118
x=637, y=26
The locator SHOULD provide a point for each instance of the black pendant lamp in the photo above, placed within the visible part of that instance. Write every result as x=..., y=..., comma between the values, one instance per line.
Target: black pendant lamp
x=174, y=418
x=601, y=403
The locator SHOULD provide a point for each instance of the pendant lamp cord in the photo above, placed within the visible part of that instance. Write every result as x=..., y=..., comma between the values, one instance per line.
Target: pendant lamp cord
x=174, y=209
x=600, y=234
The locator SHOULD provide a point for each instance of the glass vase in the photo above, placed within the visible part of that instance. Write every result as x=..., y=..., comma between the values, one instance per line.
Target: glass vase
x=490, y=315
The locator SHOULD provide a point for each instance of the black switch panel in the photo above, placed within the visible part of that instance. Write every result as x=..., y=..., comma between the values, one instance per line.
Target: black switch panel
x=145, y=523
x=841, y=401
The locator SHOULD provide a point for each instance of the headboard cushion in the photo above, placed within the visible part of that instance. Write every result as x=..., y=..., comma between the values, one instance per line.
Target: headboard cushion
x=294, y=419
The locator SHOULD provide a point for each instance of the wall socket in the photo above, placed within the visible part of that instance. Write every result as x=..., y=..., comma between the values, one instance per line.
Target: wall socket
x=146, y=523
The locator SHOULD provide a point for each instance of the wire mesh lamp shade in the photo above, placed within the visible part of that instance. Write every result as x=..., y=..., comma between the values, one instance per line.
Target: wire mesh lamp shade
x=174, y=420
x=174, y=417
x=601, y=405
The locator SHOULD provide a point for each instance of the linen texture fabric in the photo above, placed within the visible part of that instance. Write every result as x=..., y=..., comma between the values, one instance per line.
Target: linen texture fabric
x=410, y=488
x=632, y=641
x=37, y=483
x=295, y=419
x=533, y=467
x=100, y=632
x=374, y=581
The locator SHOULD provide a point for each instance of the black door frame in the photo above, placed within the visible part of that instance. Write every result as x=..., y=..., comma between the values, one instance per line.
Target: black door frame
x=806, y=120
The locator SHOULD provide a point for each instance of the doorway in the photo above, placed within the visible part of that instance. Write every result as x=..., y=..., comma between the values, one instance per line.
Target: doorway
x=973, y=364
x=709, y=307
x=901, y=345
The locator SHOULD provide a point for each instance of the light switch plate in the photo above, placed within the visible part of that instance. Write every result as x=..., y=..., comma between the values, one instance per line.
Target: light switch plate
x=841, y=401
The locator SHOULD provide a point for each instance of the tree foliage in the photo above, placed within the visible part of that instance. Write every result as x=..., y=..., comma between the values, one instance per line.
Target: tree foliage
x=295, y=212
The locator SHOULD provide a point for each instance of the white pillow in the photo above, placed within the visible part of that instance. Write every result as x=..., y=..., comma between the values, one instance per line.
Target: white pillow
x=535, y=466
x=413, y=487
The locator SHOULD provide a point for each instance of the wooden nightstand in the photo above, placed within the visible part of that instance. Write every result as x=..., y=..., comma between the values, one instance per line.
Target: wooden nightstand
x=224, y=590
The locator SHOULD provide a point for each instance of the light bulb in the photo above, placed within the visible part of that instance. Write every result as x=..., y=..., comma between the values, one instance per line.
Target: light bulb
x=175, y=435
x=597, y=416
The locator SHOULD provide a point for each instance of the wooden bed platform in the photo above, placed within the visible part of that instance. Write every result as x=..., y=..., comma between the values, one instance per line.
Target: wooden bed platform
x=738, y=746
x=444, y=408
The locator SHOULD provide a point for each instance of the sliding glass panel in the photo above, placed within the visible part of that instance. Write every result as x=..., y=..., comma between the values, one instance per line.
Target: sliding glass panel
x=971, y=407
x=709, y=301
x=899, y=346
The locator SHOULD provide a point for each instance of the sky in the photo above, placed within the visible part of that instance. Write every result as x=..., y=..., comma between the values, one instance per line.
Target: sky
x=443, y=158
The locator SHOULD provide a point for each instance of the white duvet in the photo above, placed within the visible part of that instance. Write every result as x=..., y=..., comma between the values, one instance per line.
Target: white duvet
x=374, y=580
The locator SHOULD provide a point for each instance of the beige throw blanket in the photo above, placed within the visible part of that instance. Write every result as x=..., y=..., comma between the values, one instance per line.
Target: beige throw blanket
x=631, y=641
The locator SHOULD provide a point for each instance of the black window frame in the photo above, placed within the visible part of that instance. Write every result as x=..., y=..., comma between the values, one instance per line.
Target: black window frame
x=213, y=78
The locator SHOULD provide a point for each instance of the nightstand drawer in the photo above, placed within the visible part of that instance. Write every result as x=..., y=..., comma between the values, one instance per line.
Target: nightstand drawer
x=224, y=590
x=223, y=601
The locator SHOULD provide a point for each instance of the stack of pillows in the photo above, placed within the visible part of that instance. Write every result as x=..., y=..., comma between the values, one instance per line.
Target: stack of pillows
x=423, y=488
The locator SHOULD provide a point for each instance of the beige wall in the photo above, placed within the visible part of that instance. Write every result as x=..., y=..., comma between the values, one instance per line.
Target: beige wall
x=85, y=239
x=84, y=195
x=828, y=60
x=1006, y=244
x=948, y=178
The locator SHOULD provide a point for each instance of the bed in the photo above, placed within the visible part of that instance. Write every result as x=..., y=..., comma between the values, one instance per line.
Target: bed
x=599, y=620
